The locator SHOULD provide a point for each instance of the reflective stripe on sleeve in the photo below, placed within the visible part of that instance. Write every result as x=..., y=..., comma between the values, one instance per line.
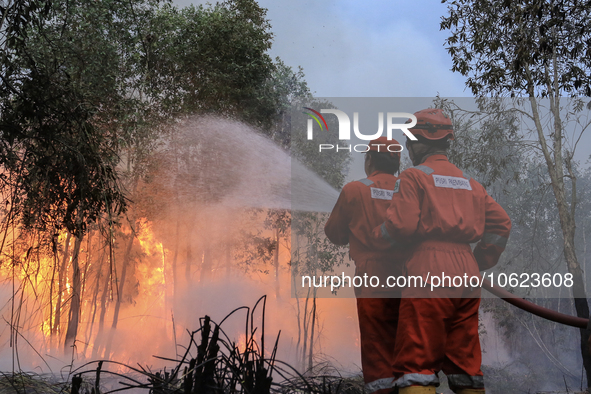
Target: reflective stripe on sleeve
x=494, y=239
x=465, y=381
x=388, y=238
x=418, y=379
x=380, y=384
x=366, y=182
x=425, y=169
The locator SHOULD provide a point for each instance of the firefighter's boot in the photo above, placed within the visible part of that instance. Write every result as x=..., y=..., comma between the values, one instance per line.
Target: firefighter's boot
x=470, y=391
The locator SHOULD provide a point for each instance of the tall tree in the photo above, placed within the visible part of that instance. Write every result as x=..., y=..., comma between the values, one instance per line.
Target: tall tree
x=54, y=91
x=534, y=49
x=311, y=252
x=490, y=145
x=84, y=88
x=212, y=60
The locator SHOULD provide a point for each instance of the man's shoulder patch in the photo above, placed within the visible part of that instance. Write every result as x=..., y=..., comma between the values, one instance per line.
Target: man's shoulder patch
x=397, y=186
x=451, y=182
x=381, y=194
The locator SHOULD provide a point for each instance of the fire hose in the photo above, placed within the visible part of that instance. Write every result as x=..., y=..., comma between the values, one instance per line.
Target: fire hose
x=537, y=310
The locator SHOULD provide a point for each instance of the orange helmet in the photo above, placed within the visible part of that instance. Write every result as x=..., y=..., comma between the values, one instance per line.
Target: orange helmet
x=433, y=124
x=383, y=144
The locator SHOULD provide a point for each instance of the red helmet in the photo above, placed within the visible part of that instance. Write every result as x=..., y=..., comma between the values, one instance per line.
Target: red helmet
x=433, y=124
x=383, y=144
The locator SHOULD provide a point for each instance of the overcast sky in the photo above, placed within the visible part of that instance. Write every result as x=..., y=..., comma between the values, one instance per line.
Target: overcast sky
x=374, y=48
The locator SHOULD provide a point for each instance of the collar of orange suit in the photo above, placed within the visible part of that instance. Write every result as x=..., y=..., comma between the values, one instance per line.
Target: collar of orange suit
x=435, y=158
x=377, y=172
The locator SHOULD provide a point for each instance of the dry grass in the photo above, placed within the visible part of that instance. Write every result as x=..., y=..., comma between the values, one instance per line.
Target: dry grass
x=211, y=364
x=26, y=383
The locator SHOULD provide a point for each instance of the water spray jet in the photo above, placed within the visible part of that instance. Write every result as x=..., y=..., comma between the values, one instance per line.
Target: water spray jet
x=257, y=174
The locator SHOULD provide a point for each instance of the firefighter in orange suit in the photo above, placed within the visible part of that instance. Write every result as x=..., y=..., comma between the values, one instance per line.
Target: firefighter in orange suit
x=361, y=207
x=436, y=212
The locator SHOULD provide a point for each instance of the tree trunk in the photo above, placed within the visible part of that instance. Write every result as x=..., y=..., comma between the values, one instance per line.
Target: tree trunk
x=584, y=258
x=566, y=215
x=98, y=341
x=51, y=312
x=580, y=299
x=311, y=352
x=74, y=315
x=189, y=257
x=299, y=317
x=228, y=259
x=60, y=288
x=94, y=300
x=306, y=324
x=87, y=264
x=207, y=264
x=175, y=276
x=276, y=264
x=120, y=287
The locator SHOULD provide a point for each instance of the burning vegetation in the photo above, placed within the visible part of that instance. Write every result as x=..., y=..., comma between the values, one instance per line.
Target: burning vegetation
x=199, y=233
x=72, y=291
x=127, y=212
x=210, y=363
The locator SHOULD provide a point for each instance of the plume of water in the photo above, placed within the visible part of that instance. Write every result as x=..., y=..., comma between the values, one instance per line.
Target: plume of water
x=240, y=167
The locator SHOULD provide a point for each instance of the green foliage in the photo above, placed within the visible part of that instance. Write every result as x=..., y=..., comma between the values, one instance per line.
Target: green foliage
x=205, y=60
x=313, y=252
x=89, y=93
x=486, y=140
x=491, y=145
x=86, y=83
x=330, y=166
x=534, y=49
x=517, y=177
x=521, y=47
x=56, y=87
x=290, y=90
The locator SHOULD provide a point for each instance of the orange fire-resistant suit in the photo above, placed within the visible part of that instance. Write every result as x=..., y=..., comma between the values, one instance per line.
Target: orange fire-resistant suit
x=439, y=211
x=361, y=207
